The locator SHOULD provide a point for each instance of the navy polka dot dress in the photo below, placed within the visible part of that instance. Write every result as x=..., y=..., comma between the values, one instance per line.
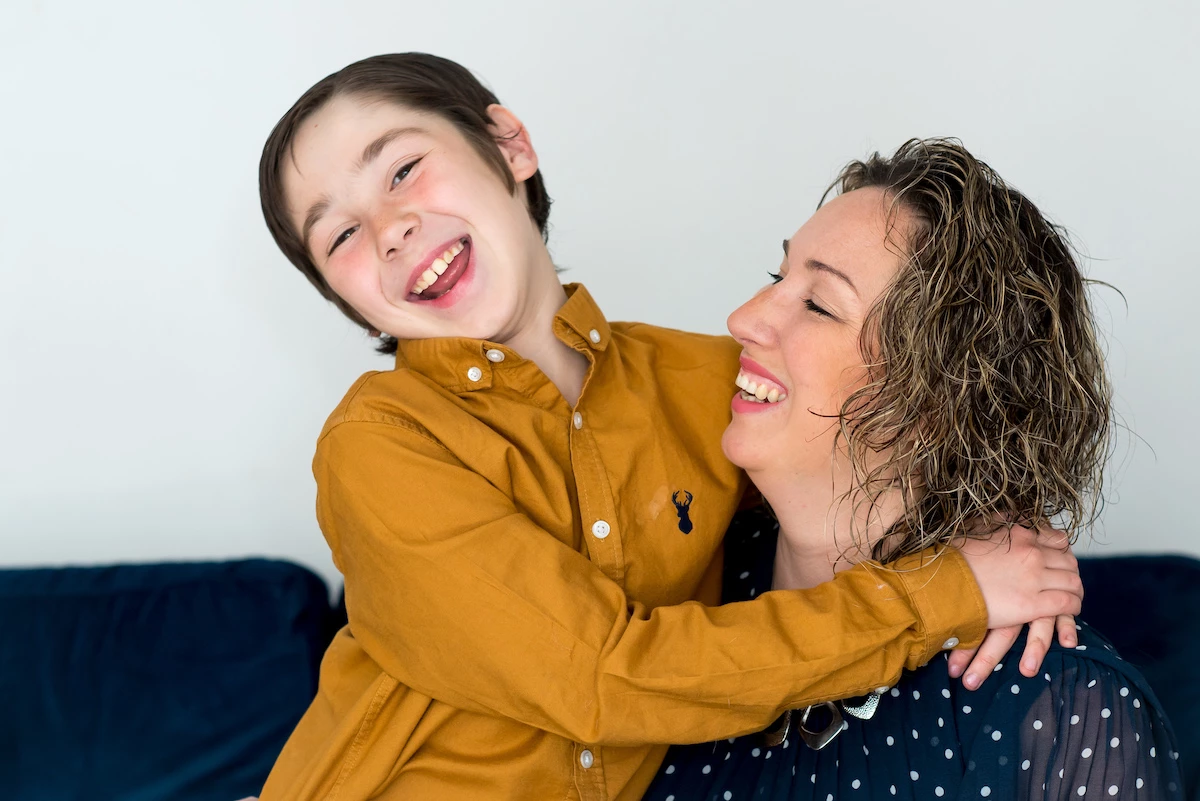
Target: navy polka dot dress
x=1086, y=727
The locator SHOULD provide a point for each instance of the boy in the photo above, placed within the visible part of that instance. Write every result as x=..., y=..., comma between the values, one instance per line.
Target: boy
x=525, y=508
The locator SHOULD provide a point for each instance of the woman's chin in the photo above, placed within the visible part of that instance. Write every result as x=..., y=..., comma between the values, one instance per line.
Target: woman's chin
x=745, y=451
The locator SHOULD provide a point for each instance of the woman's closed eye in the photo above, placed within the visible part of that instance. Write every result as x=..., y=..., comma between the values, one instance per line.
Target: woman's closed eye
x=809, y=303
x=813, y=307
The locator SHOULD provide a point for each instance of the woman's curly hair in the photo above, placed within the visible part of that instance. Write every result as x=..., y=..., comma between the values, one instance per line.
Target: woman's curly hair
x=986, y=391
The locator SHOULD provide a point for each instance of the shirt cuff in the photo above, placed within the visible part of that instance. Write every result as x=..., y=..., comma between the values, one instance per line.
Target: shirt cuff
x=946, y=598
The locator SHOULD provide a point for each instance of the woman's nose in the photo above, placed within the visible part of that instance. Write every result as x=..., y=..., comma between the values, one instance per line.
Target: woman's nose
x=751, y=324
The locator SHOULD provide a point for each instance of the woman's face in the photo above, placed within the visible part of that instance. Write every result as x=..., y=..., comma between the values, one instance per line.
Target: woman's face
x=800, y=336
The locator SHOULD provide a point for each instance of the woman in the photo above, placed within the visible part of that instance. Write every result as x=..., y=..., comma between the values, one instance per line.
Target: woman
x=930, y=344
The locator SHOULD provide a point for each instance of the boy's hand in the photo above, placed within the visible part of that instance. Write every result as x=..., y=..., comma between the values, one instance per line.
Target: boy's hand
x=996, y=644
x=1024, y=576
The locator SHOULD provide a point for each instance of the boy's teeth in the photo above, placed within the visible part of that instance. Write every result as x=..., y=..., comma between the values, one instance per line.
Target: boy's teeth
x=438, y=267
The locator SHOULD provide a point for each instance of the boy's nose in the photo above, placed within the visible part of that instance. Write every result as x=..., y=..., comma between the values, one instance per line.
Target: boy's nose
x=395, y=233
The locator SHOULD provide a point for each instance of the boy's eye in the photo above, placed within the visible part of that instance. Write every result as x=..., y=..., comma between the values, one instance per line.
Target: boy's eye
x=403, y=172
x=342, y=237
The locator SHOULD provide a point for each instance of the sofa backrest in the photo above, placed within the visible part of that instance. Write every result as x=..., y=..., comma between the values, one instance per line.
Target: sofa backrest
x=149, y=682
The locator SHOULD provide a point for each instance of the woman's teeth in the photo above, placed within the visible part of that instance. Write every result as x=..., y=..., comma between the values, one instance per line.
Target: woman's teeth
x=758, y=393
x=433, y=271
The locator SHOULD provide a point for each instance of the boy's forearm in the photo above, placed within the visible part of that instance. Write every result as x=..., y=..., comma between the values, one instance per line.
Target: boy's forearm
x=492, y=614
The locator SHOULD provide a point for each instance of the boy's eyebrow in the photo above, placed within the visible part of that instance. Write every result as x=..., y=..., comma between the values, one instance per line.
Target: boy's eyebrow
x=821, y=266
x=371, y=152
x=315, y=212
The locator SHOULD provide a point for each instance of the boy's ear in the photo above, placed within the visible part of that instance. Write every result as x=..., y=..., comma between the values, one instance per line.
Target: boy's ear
x=513, y=140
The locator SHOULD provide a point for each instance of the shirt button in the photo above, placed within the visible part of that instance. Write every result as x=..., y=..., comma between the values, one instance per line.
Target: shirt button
x=600, y=529
x=474, y=374
x=495, y=356
x=882, y=690
x=950, y=643
x=594, y=335
x=577, y=420
x=586, y=759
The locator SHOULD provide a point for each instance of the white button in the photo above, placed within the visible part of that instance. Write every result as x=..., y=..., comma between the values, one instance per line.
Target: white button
x=496, y=356
x=474, y=374
x=882, y=690
x=577, y=420
x=586, y=759
x=600, y=529
x=594, y=335
x=950, y=643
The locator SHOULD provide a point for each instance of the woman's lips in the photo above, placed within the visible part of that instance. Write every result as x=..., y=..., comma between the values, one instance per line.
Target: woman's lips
x=751, y=366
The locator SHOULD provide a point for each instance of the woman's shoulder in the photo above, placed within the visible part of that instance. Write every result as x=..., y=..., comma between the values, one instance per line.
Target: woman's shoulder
x=1086, y=713
x=1093, y=664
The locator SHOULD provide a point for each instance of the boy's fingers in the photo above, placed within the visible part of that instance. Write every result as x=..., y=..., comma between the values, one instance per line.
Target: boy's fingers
x=1067, y=581
x=959, y=659
x=1068, y=635
x=1060, y=560
x=1041, y=632
x=1051, y=603
x=995, y=645
x=1054, y=538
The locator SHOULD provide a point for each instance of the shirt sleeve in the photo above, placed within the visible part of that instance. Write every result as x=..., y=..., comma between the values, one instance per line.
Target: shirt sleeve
x=457, y=594
x=1089, y=734
x=1098, y=733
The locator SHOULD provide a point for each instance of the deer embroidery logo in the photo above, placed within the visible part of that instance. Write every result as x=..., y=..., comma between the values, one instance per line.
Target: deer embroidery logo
x=681, y=509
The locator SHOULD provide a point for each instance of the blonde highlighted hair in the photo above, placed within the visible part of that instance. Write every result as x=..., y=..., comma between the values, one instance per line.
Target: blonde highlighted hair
x=986, y=390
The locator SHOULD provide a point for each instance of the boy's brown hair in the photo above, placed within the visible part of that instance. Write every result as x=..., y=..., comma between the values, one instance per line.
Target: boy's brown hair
x=417, y=81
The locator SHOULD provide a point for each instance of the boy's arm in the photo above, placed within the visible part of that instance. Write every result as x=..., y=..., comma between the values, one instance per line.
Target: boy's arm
x=458, y=595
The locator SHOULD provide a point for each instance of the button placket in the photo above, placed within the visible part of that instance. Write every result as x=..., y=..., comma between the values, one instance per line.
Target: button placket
x=597, y=510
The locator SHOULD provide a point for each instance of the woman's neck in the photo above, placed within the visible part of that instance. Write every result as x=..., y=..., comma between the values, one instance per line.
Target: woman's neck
x=820, y=530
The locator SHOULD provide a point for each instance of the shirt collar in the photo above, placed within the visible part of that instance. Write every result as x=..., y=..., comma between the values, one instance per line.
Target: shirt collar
x=461, y=364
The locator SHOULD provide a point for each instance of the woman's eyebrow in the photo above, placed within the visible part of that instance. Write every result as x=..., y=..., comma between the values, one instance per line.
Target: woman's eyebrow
x=821, y=266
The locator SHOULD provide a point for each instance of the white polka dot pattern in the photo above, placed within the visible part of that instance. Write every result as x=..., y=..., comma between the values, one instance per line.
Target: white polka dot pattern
x=1080, y=729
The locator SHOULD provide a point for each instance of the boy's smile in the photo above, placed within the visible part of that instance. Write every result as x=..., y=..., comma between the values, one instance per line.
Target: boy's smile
x=409, y=225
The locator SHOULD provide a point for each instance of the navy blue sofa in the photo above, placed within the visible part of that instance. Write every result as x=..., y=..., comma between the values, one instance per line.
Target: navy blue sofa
x=181, y=682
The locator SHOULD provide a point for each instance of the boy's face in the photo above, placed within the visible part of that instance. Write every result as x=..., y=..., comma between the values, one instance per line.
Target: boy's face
x=411, y=227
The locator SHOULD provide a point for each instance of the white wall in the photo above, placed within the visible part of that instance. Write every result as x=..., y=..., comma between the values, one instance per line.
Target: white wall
x=164, y=372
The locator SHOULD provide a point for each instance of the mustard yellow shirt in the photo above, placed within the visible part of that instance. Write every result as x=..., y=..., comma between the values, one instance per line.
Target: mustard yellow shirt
x=524, y=579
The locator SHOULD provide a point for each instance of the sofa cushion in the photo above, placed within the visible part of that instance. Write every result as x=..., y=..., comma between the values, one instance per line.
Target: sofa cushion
x=145, y=682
